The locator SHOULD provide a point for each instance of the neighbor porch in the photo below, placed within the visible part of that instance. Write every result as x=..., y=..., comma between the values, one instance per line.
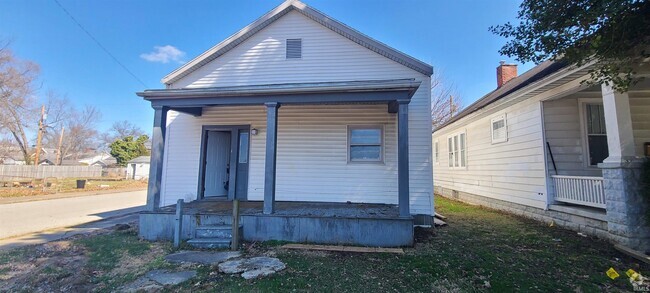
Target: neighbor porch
x=595, y=140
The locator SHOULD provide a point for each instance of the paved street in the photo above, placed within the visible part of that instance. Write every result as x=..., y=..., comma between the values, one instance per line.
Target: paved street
x=36, y=216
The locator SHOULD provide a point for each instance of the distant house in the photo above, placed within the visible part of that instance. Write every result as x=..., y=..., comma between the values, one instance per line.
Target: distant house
x=102, y=159
x=12, y=158
x=138, y=168
x=322, y=131
x=549, y=147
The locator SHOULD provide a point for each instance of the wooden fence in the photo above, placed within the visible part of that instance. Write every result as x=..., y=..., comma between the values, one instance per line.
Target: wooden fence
x=22, y=172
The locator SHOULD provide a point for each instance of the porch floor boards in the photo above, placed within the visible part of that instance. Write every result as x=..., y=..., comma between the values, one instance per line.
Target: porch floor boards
x=285, y=208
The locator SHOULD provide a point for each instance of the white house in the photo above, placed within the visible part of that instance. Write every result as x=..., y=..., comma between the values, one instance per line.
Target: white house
x=296, y=107
x=547, y=146
x=138, y=168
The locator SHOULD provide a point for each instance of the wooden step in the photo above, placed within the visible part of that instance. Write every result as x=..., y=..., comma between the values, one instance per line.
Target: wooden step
x=216, y=231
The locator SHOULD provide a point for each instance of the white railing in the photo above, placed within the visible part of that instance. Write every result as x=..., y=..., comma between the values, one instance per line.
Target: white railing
x=587, y=191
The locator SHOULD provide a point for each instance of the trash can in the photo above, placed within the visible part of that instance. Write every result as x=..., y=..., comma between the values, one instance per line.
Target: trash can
x=81, y=184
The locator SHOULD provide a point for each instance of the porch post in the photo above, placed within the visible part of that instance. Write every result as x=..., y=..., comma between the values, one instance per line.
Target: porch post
x=403, y=158
x=626, y=207
x=271, y=151
x=157, y=151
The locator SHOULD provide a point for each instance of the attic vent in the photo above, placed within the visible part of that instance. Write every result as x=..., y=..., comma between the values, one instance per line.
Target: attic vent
x=294, y=48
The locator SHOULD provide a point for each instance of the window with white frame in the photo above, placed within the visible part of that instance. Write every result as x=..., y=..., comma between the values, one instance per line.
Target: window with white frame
x=436, y=153
x=456, y=144
x=596, y=134
x=499, y=128
x=365, y=144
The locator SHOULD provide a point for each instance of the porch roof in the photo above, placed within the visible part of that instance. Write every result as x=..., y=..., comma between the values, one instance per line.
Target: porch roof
x=369, y=91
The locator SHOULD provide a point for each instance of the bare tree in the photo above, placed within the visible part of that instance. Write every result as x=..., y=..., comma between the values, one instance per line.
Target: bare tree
x=17, y=111
x=445, y=100
x=80, y=127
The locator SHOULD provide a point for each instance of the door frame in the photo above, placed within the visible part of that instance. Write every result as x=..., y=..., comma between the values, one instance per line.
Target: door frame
x=234, y=147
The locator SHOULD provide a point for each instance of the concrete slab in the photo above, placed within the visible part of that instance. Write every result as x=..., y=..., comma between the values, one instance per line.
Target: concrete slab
x=202, y=257
x=165, y=277
x=252, y=267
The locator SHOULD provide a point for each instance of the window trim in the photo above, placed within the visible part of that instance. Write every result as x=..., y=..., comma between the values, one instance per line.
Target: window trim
x=584, y=139
x=453, y=155
x=505, y=126
x=436, y=152
x=286, y=48
x=382, y=144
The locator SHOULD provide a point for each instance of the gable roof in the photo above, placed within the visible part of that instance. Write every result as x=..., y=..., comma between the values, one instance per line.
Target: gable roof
x=313, y=14
x=537, y=73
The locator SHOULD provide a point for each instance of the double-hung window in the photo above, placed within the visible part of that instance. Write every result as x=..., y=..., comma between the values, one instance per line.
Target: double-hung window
x=456, y=144
x=365, y=144
x=596, y=133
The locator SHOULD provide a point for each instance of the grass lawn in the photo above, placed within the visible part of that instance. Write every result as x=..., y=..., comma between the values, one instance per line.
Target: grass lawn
x=70, y=185
x=480, y=250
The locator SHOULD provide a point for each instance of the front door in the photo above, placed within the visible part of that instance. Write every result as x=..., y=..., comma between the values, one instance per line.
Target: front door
x=217, y=164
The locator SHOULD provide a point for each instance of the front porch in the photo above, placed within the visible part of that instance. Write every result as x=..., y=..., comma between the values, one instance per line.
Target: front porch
x=293, y=154
x=308, y=222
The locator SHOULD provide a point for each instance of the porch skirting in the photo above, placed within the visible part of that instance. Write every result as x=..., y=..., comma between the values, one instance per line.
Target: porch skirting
x=593, y=224
x=329, y=225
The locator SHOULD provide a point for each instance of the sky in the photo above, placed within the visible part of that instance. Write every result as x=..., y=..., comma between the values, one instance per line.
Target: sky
x=152, y=38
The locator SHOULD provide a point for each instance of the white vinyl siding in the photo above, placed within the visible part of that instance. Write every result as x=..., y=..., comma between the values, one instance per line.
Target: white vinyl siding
x=499, y=129
x=308, y=136
x=565, y=136
x=640, y=111
x=512, y=172
x=312, y=163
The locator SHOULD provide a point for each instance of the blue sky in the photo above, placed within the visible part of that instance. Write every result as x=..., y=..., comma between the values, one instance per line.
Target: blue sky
x=453, y=36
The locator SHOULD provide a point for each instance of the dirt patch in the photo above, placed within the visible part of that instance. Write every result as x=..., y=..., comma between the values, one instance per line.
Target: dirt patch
x=55, y=266
x=423, y=235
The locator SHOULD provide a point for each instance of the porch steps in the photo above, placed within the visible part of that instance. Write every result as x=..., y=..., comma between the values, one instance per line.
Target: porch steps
x=213, y=236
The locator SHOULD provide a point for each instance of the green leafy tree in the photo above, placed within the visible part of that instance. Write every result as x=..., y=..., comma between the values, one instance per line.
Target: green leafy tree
x=127, y=148
x=616, y=33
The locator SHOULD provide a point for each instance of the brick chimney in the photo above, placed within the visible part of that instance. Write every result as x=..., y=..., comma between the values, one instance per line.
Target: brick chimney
x=505, y=72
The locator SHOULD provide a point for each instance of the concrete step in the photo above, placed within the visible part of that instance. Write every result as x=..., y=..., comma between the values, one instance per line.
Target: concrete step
x=215, y=242
x=216, y=231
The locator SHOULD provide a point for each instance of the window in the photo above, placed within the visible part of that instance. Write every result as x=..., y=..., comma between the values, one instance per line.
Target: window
x=294, y=48
x=499, y=129
x=365, y=144
x=456, y=145
x=243, y=147
x=596, y=133
x=436, y=154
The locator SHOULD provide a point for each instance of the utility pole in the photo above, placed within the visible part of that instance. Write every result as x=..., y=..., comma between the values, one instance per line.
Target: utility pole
x=59, y=158
x=39, y=138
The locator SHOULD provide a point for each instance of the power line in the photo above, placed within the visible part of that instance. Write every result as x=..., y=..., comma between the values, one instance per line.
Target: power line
x=100, y=44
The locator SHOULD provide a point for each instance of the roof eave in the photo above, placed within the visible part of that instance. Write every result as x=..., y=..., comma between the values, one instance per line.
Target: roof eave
x=408, y=85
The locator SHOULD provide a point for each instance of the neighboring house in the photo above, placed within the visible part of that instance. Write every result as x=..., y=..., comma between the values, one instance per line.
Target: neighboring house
x=13, y=158
x=102, y=159
x=296, y=108
x=546, y=146
x=138, y=168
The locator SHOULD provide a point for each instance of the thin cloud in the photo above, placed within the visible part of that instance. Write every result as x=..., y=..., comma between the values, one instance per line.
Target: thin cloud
x=164, y=54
